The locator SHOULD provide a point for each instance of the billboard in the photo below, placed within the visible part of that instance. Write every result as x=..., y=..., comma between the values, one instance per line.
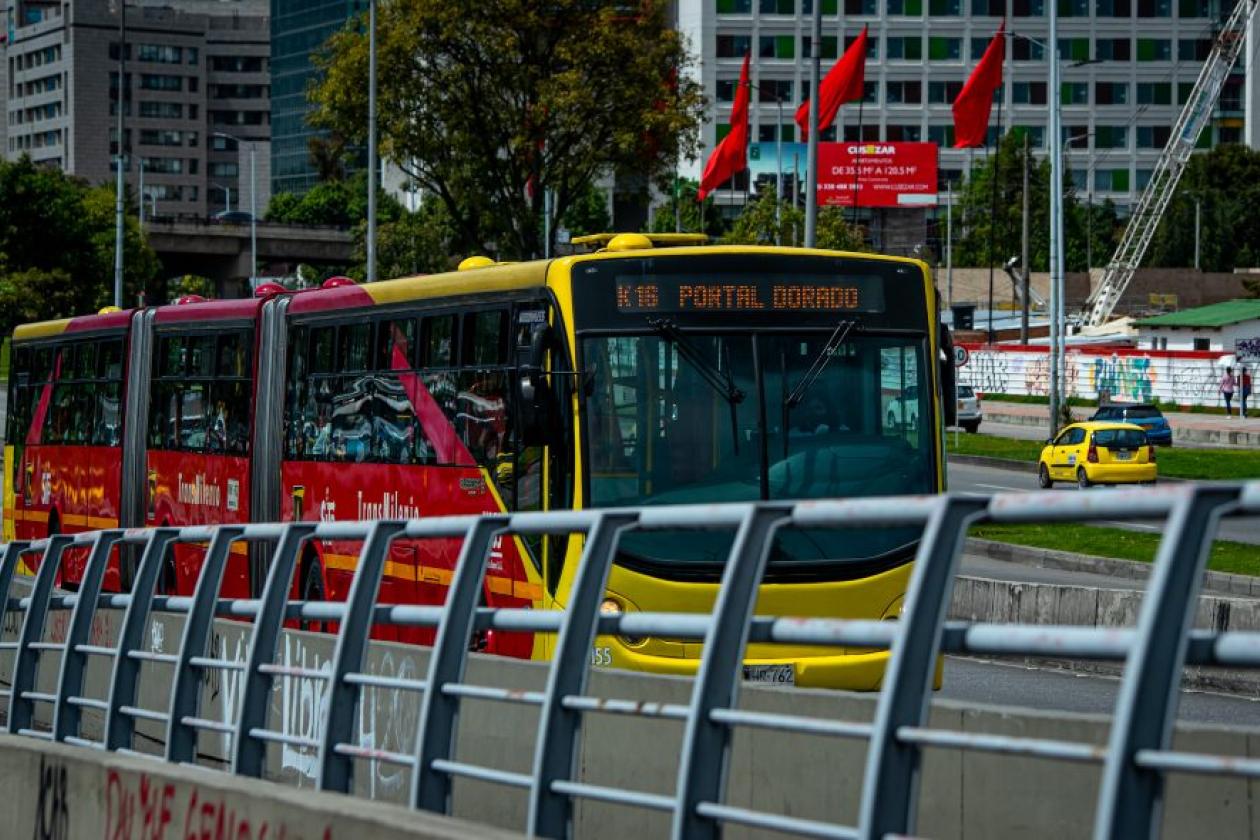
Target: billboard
x=892, y=174
x=884, y=174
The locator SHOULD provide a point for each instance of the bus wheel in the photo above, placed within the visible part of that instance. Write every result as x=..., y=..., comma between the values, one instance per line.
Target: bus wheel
x=312, y=589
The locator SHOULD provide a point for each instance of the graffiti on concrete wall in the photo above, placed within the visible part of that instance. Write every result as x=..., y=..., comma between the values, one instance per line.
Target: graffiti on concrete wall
x=1122, y=378
x=988, y=371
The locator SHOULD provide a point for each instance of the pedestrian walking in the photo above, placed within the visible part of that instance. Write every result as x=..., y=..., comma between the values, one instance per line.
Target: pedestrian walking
x=1244, y=389
x=1227, y=389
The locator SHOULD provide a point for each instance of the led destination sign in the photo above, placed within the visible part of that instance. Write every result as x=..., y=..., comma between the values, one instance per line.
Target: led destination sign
x=797, y=294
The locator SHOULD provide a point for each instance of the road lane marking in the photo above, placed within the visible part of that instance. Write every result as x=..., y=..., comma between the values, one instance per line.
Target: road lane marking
x=1001, y=487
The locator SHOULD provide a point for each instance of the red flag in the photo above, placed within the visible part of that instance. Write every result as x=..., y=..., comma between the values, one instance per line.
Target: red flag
x=731, y=155
x=972, y=107
x=844, y=83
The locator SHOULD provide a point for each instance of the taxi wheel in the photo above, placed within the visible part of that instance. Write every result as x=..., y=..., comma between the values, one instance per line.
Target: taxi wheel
x=1082, y=478
x=1043, y=478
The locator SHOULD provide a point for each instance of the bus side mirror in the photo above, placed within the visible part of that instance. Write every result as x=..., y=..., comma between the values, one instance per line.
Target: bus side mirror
x=536, y=397
x=949, y=380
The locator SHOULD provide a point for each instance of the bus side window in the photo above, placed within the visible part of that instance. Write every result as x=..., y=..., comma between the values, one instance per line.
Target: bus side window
x=109, y=359
x=485, y=338
x=437, y=342
x=295, y=394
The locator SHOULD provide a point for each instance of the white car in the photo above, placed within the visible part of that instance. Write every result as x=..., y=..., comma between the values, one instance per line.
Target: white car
x=903, y=410
x=969, y=412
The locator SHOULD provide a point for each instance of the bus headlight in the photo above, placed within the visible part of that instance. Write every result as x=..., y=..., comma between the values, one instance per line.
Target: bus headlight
x=612, y=606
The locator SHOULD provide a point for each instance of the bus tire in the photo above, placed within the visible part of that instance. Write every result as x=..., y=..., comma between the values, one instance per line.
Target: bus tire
x=311, y=588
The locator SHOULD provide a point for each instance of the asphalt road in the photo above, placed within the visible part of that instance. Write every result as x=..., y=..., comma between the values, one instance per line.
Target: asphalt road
x=970, y=478
x=985, y=683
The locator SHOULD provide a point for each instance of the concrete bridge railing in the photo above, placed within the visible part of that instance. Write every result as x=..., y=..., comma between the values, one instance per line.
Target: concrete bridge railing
x=1133, y=764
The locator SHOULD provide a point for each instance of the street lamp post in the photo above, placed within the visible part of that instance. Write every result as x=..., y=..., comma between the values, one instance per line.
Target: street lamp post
x=371, y=197
x=253, y=202
x=124, y=96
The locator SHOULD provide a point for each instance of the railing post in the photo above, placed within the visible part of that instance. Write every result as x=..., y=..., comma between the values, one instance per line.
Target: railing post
x=439, y=714
x=67, y=716
x=334, y=771
x=890, y=789
x=8, y=565
x=120, y=727
x=706, y=744
x=26, y=662
x=181, y=739
x=1131, y=798
x=249, y=754
x=555, y=755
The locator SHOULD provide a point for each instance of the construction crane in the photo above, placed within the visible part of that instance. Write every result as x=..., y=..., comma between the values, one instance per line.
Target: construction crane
x=1159, y=190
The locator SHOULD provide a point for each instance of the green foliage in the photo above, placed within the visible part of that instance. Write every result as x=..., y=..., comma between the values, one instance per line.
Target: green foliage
x=189, y=284
x=765, y=221
x=57, y=246
x=1226, y=181
x=682, y=213
x=588, y=213
x=340, y=203
x=414, y=243
x=511, y=94
x=835, y=232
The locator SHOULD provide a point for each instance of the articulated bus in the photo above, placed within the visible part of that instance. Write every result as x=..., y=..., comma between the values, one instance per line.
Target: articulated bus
x=654, y=370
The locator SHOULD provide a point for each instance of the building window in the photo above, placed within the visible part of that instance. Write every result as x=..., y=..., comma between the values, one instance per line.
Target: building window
x=164, y=166
x=905, y=8
x=1194, y=49
x=828, y=7
x=944, y=49
x=904, y=133
x=226, y=169
x=905, y=49
x=988, y=8
x=162, y=110
x=1036, y=134
x=775, y=90
x=725, y=92
x=872, y=45
x=1153, y=136
x=777, y=7
x=160, y=54
x=1154, y=49
x=238, y=91
x=861, y=7
x=1112, y=49
x=1074, y=8
x=161, y=137
x=776, y=46
x=1154, y=93
x=978, y=46
x=945, y=8
x=1111, y=180
x=1024, y=50
x=156, y=81
x=734, y=7
x=1112, y=9
x=1029, y=93
x=1202, y=344
x=1154, y=8
x=1194, y=8
x=733, y=46
x=941, y=135
x=1111, y=137
x=113, y=51
x=943, y=93
x=254, y=64
x=1229, y=134
x=1076, y=136
x=1074, y=49
x=1074, y=93
x=1111, y=93
x=903, y=93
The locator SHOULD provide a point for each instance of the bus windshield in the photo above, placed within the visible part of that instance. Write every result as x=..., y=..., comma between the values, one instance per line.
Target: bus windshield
x=860, y=425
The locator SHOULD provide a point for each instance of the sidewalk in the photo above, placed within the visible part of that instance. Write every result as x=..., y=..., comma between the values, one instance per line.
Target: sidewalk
x=1187, y=428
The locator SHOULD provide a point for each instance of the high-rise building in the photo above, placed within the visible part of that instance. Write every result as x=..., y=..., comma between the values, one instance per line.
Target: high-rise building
x=1127, y=68
x=298, y=29
x=193, y=69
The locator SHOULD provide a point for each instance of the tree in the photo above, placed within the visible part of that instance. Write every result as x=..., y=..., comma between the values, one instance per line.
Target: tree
x=760, y=225
x=414, y=243
x=487, y=104
x=1226, y=183
x=588, y=213
x=974, y=218
x=338, y=203
x=683, y=207
x=57, y=246
x=835, y=232
x=189, y=284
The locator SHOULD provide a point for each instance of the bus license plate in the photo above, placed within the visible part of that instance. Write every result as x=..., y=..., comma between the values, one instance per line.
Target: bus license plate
x=775, y=674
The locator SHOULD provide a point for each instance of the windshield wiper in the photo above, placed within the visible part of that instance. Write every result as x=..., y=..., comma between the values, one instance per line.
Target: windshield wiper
x=838, y=335
x=790, y=401
x=719, y=380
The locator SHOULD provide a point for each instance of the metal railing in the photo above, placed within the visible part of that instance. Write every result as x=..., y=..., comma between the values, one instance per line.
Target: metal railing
x=1135, y=761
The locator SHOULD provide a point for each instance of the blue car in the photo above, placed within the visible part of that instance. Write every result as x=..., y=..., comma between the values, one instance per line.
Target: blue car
x=1149, y=417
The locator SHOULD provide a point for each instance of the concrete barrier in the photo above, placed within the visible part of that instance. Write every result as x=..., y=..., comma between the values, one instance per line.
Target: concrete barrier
x=55, y=792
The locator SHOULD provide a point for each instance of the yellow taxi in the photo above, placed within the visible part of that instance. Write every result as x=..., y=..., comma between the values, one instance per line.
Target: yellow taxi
x=1098, y=453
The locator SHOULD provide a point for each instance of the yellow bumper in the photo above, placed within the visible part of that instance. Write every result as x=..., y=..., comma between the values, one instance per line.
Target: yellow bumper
x=1120, y=473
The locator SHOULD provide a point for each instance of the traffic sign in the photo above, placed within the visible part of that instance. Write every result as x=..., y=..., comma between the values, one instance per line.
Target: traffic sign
x=960, y=355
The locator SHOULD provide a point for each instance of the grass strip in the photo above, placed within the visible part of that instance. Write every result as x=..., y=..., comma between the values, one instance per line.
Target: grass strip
x=1174, y=461
x=1226, y=556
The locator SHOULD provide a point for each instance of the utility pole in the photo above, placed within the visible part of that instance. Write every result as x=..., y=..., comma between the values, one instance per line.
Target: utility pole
x=371, y=220
x=949, y=242
x=1198, y=208
x=811, y=173
x=119, y=183
x=1023, y=315
x=1056, y=207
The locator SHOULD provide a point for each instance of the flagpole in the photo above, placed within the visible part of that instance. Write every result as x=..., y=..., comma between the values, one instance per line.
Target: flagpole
x=811, y=173
x=857, y=159
x=997, y=146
